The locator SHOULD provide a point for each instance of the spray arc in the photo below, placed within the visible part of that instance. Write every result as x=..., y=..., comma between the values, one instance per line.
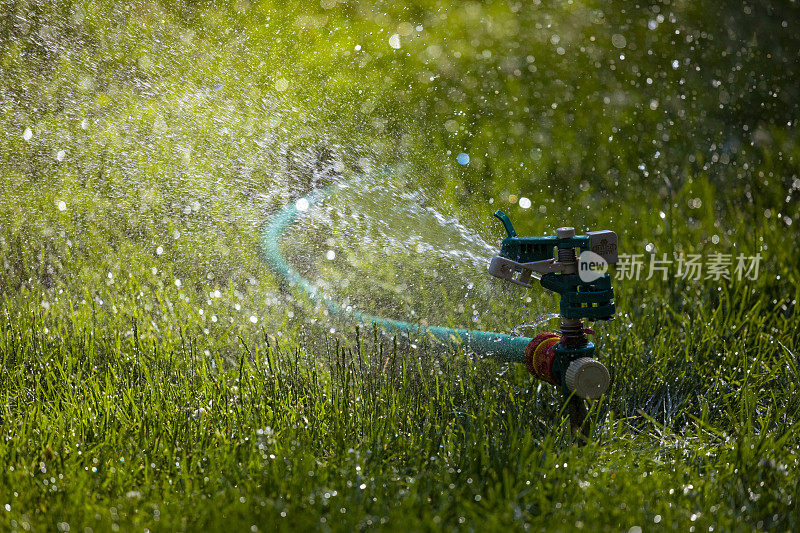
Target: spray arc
x=565, y=359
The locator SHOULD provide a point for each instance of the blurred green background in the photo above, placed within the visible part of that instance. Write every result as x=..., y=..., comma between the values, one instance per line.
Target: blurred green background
x=145, y=143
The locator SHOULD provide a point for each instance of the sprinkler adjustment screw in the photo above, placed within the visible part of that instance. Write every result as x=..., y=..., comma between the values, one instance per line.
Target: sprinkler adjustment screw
x=565, y=233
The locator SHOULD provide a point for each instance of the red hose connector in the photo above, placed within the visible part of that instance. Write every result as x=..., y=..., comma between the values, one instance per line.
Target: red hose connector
x=539, y=356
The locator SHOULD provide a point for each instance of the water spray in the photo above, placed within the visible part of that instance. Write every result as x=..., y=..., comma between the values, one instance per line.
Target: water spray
x=564, y=359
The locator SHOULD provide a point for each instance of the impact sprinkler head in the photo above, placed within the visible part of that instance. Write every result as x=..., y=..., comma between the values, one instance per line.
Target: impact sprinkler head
x=565, y=358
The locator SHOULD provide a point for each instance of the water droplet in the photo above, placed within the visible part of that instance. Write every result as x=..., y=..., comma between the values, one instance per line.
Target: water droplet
x=62, y=205
x=61, y=155
x=618, y=40
x=394, y=41
x=302, y=204
x=28, y=134
x=524, y=202
x=331, y=255
x=462, y=158
x=253, y=319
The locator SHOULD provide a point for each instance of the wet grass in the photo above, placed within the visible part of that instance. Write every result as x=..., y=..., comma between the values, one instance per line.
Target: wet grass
x=144, y=431
x=154, y=375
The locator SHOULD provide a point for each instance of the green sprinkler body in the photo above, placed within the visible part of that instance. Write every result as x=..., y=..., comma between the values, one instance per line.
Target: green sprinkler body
x=565, y=359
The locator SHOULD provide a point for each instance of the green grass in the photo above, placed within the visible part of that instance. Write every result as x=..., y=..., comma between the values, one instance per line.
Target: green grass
x=154, y=375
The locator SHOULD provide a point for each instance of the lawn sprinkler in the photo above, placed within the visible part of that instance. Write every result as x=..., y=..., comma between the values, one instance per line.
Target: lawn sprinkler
x=565, y=359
